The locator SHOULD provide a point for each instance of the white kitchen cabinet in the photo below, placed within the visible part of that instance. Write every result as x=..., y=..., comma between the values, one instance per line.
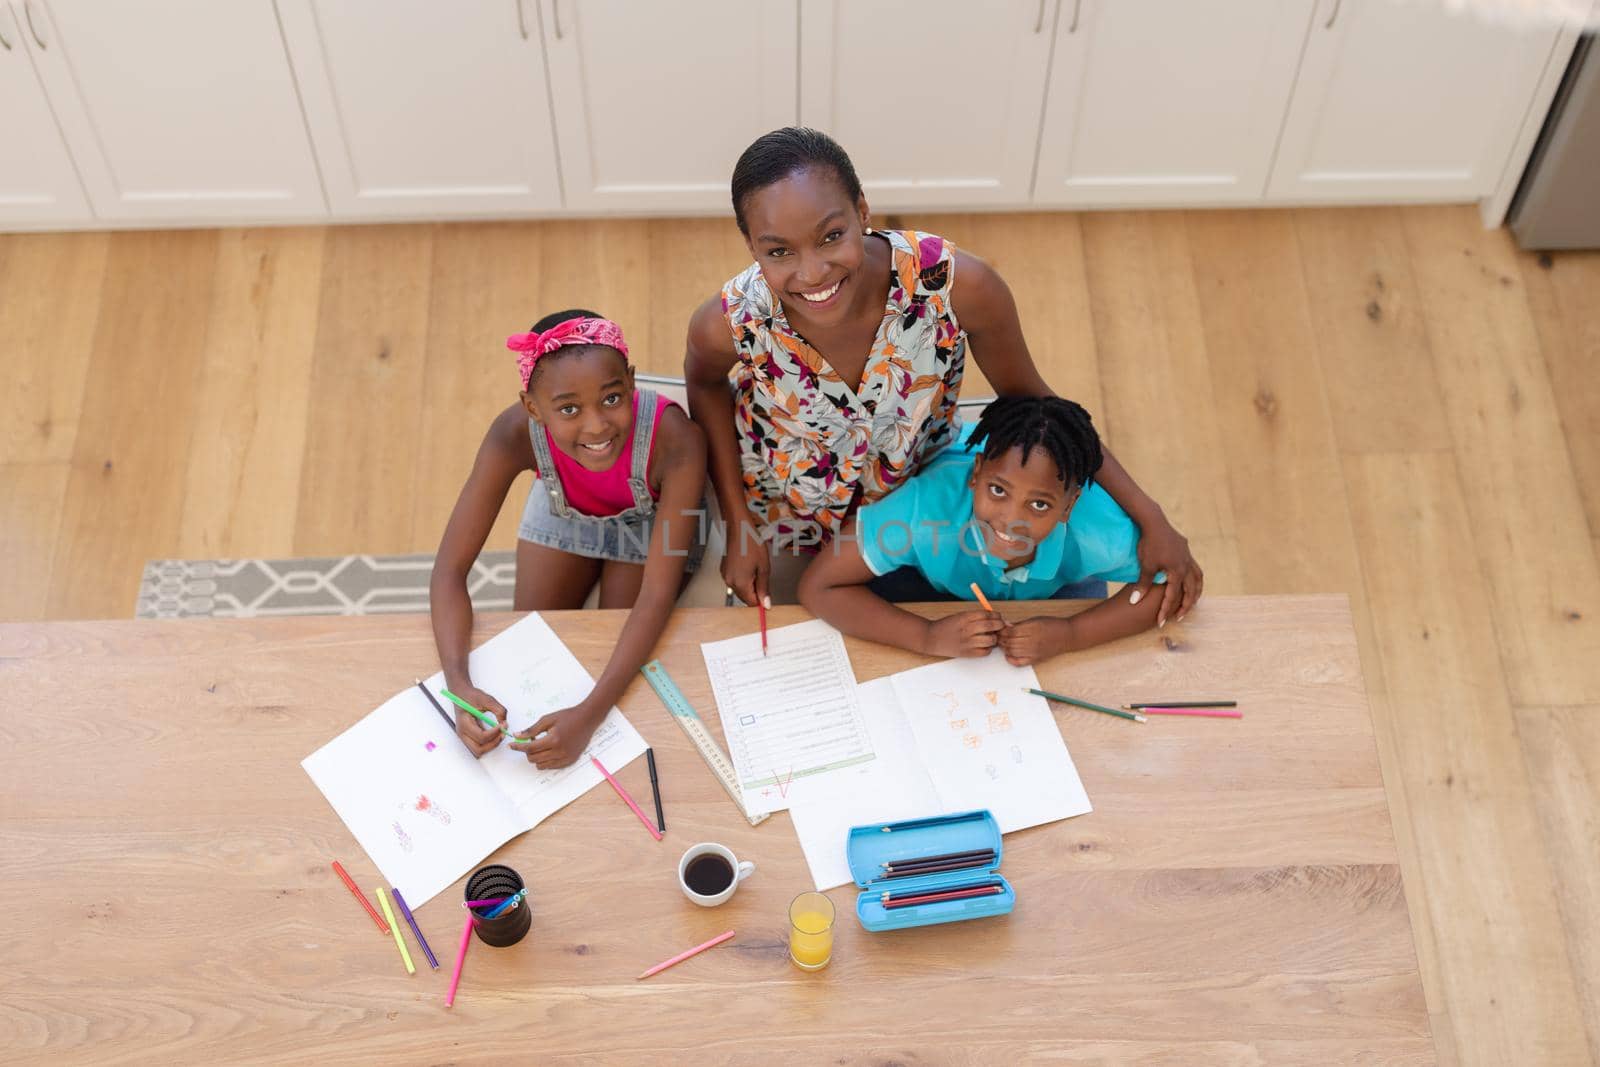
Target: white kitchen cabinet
x=655, y=101
x=177, y=109
x=37, y=181
x=938, y=104
x=1167, y=102
x=422, y=108
x=1405, y=101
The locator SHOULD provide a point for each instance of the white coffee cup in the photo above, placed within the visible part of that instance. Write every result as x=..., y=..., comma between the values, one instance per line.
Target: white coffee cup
x=738, y=872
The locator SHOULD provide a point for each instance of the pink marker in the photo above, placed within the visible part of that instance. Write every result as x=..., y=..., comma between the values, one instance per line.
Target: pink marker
x=461, y=957
x=626, y=799
x=1213, y=713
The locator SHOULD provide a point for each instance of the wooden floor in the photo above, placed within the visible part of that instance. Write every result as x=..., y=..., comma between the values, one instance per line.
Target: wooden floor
x=1392, y=403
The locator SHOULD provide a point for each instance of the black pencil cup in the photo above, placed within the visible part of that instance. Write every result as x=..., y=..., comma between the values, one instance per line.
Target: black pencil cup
x=510, y=926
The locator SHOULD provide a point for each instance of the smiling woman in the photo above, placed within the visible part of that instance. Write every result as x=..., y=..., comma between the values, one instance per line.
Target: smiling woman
x=845, y=347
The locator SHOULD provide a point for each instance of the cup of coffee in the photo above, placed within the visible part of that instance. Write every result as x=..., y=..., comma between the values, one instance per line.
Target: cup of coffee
x=708, y=873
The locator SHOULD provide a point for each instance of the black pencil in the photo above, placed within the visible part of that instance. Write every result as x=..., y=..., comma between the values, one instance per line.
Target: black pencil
x=655, y=789
x=917, y=861
x=448, y=721
x=940, y=868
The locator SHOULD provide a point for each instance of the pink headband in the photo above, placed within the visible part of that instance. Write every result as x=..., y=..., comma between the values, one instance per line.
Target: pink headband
x=530, y=346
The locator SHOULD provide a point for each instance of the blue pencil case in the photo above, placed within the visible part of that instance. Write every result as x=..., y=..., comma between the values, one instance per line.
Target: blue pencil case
x=884, y=857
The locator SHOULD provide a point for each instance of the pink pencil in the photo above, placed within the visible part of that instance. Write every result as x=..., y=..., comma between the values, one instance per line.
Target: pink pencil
x=461, y=957
x=680, y=957
x=1214, y=713
x=626, y=799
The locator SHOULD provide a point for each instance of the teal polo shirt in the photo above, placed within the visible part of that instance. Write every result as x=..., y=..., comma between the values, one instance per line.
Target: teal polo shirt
x=927, y=523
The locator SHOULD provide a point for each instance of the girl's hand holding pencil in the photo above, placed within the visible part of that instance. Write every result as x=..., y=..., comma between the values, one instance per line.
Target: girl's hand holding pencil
x=559, y=737
x=477, y=735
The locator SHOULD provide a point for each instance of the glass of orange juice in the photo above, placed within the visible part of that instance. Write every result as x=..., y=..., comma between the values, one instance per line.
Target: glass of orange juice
x=811, y=931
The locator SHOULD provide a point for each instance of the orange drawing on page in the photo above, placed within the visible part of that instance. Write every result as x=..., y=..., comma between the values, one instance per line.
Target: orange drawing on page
x=999, y=722
x=992, y=696
x=972, y=741
x=958, y=724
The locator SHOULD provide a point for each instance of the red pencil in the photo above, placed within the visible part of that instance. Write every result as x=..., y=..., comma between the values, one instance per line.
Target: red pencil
x=761, y=607
x=929, y=898
x=365, y=903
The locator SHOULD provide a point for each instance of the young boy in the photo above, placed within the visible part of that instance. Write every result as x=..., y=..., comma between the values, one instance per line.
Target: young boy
x=1021, y=518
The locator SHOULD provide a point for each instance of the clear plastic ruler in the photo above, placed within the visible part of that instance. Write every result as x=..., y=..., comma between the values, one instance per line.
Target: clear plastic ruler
x=688, y=719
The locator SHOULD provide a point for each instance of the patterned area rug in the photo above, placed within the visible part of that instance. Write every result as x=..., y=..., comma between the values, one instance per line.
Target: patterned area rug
x=335, y=585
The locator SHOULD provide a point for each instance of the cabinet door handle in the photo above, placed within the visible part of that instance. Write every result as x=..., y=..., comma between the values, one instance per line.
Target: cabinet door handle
x=1334, y=14
x=555, y=6
x=522, y=21
x=27, y=10
x=1077, y=8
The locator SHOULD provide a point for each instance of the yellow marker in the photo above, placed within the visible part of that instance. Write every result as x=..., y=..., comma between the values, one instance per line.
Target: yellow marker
x=394, y=928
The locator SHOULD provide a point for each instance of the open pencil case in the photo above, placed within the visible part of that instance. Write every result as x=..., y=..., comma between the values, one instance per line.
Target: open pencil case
x=885, y=858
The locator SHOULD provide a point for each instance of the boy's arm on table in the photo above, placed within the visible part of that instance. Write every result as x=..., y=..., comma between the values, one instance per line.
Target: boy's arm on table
x=709, y=357
x=680, y=452
x=834, y=589
x=1044, y=636
x=504, y=454
x=988, y=313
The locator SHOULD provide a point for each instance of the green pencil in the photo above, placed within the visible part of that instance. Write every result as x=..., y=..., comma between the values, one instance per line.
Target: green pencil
x=1075, y=702
x=488, y=720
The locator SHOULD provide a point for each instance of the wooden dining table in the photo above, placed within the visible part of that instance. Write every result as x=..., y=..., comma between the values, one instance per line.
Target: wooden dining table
x=166, y=892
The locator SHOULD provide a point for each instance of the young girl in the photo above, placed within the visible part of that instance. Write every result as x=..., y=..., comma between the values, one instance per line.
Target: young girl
x=1022, y=520
x=616, y=500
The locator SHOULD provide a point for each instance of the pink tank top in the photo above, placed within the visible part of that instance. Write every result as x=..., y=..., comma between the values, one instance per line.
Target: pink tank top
x=604, y=493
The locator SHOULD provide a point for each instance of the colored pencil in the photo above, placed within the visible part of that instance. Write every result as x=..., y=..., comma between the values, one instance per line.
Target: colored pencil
x=889, y=894
x=939, y=868
x=514, y=900
x=934, y=898
x=1139, y=705
x=982, y=599
x=942, y=858
x=626, y=799
x=415, y=929
x=365, y=903
x=488, y=720
x=1215, y=713
x=461, y=957
x=448, y=721
x=655, y=789
x=484, y=903
x=1075, y=702
x=394, y=928
x=680, y=957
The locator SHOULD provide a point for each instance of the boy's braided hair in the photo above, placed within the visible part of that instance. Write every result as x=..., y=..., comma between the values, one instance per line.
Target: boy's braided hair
x=1060, y=427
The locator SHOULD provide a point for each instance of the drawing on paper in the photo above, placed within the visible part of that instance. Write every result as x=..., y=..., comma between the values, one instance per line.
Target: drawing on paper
x=992, y=696
x=402, y=837
x=999, y=722
x=972, y=741
x=430, y=746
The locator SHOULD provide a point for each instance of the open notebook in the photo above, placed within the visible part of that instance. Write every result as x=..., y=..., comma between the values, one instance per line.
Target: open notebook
x=417, y=801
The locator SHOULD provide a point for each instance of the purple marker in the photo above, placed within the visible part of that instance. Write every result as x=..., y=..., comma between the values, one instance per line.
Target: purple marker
x=400, y=900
